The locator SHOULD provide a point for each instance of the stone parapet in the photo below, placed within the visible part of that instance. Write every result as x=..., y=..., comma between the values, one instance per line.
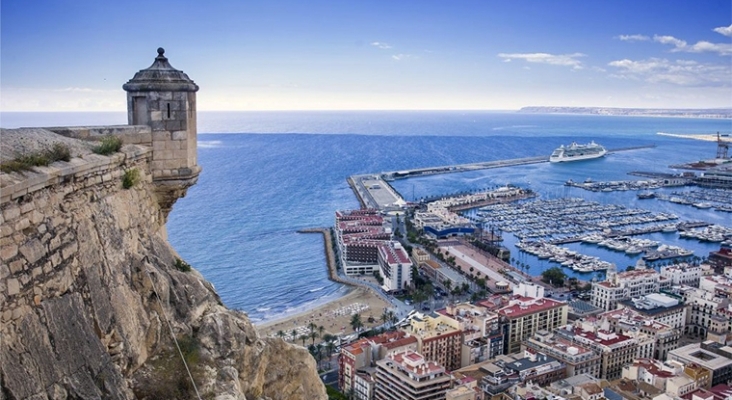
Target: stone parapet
x=90, y=170
x=130, y=134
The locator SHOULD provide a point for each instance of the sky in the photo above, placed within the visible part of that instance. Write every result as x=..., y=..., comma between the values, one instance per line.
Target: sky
x=75, y=55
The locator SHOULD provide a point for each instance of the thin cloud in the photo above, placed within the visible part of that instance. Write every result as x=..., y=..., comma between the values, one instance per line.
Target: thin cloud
x=633, y=38
x=400, y=57
x=700, y=46
x=567, y=60
x=678, y=72
x=724, y=30
x=381, y=45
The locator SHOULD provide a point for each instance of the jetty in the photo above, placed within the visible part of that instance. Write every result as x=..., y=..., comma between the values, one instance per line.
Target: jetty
x=374, y=190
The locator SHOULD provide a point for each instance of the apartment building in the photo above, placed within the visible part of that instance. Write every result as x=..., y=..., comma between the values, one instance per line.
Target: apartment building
x=682, y=274
x=439, y=338
x=409, y=376
x=627, y=320
x=625, y=286
x=525, y=316
x=709, y=313
x=395, y=267
x=358, y=234
x=712, y=356
x=577, y=358
x=482, y=336
x=359, y=356
x=615, y=349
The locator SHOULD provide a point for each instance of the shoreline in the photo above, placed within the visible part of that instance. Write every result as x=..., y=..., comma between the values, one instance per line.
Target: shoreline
x=334, y=316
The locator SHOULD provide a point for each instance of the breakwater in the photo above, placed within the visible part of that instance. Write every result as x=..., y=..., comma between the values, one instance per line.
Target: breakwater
x=330, y=258
x=448, y=169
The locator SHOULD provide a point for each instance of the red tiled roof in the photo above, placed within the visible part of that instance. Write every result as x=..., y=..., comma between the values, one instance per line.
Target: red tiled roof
x=529, y=306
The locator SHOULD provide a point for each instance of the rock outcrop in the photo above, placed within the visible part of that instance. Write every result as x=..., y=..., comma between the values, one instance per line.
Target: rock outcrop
x=92, y=295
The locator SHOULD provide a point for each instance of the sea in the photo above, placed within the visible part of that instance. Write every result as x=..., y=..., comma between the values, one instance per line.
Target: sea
x=267, y=175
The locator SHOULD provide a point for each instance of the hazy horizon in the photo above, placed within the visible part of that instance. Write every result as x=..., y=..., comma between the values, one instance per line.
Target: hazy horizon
x=286, y=55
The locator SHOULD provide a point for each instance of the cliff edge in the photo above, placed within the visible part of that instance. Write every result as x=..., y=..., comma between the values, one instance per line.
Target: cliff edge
x=92, y=295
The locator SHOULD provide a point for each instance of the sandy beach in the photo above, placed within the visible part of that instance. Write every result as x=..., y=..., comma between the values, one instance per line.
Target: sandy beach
x=334, y=316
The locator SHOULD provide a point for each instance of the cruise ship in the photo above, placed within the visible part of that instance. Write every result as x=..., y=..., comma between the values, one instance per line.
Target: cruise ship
x=576, y=152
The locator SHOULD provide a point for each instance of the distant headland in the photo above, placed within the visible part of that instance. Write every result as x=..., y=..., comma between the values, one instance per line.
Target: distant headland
x=640, y=112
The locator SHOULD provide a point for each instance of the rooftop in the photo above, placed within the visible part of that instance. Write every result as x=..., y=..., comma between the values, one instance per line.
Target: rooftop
x=523, y=306
x=415, y=364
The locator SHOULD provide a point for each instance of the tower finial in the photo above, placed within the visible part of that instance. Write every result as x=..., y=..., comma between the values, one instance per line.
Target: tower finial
x=161, y=51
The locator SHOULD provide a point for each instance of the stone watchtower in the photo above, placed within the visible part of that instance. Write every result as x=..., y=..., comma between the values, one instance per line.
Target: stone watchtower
x=164, y=99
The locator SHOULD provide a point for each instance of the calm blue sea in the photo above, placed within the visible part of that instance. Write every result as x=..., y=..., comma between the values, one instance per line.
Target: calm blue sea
x=268, y=174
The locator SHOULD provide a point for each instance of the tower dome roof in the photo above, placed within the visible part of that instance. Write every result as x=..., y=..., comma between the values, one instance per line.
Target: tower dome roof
x=160, y=76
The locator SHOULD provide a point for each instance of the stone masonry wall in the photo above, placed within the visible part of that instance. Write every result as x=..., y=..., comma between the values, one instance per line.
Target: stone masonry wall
x=87, y=283
x=36, y=238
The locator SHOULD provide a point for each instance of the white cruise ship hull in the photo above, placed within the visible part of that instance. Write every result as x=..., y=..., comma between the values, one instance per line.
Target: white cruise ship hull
x=577, y=152
x=577, y=157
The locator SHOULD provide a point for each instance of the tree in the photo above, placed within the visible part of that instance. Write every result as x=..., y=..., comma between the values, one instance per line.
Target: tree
x=321, y=329
x=294, y=335
x=553, y=276
x=418, y=297
x=280, y=334
x=385, y=317
x=313, y=335
x=304, y=338
x=356, y=323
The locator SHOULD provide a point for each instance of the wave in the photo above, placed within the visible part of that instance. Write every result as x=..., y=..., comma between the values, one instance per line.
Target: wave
x=503, y=128
x=209, y=144
x=316, y=289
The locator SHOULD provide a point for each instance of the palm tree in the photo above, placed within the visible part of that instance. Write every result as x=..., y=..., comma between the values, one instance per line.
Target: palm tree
x=312, y=327
x=304, y=338
x=280, y=334
x=384, y=317
x=294, y=335
x=313, y=335
x=356, y=322
x=392, y=318
x=321, y=329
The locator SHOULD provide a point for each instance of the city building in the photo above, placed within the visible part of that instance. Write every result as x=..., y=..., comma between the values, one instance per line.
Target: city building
x=439, y=338
x=659, y=307
x=682, y=274
x=408, y=376
x=627, y=320
x=710, y=355
x=625, y=286
x=509, y=370
x=482, y=336
x=440, y=275
x=721, y=259
x=358, y=234
x=395, y=267
x=709, y=313
x=438, y=221
x=359, y=356
x=578, y=359
x=525, y=316
x=615, y=349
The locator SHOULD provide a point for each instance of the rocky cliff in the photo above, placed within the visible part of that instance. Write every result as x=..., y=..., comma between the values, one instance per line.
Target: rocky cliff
x=92, y=295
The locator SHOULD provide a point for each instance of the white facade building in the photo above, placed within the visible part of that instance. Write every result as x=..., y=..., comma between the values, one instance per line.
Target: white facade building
x=624, y=286
x=682, y=274
x=395, y=267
